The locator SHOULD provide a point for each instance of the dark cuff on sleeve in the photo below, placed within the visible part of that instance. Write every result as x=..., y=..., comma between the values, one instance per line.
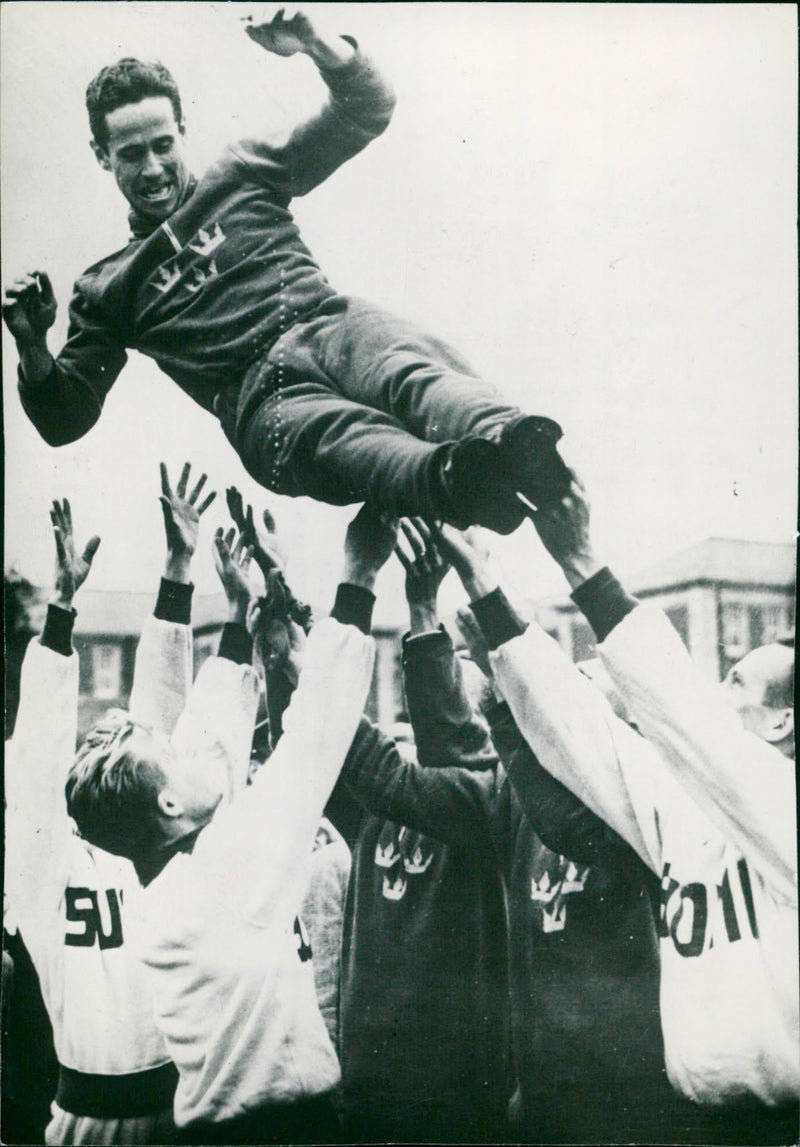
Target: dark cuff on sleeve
x=57, y=632
x=497, y=618
x=236, y=644
x=353, y=606
x=174, y=602
x=603, y=602
x=426, y=642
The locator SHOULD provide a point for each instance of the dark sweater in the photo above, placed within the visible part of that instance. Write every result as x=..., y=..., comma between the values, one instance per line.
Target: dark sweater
x=583, y=954
x=209, y=292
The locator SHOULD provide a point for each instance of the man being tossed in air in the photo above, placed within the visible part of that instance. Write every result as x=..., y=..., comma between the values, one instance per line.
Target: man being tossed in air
x=321, y=394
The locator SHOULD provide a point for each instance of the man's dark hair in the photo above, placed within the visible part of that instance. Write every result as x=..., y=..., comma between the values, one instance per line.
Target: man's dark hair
x=127, y=82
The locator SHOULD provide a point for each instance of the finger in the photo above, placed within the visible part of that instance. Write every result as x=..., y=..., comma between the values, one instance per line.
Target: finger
x=91, y=549
x=269, y=522
x=45, y=287
x=196, y=491
x=182, y=481
x=423, y=529
x=61, y=551
x=235, y=505
x=201, y=509
x=229, y=538
x=246, y=558
x=67, y=515
x=406, y=562
x=166, y=489
x=413, y=537
x=249, y=523
x=166, y=510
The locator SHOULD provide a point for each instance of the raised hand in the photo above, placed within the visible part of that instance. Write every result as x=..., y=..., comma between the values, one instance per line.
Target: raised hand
x=564, y=530
x=425, y=568
x=268, y=552
x=289, y=31
x=182, y=520
x=232, y=563
x=470, y=556
x=368, y=545
x=29, y=307
x=72, y=568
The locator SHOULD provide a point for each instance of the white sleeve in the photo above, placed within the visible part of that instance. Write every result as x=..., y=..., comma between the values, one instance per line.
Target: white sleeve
x=219, y=718
x=744, y=785
x=38, y=758
x=577, y=737
x=162, y=674
x=257, y=849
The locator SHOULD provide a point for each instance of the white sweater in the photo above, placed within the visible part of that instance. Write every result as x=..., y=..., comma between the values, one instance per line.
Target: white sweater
x=74, y=904
x=230, y=962
x=711, y=810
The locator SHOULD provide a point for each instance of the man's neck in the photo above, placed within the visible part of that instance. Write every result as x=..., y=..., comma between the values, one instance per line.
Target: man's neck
x=150, y=865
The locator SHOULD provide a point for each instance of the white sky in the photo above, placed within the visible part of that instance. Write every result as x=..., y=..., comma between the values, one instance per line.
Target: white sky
x=595, y=203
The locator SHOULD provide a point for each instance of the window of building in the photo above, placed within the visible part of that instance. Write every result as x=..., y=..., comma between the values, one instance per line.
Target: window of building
x=106, y=670
x=735, y=629
x=766, y=623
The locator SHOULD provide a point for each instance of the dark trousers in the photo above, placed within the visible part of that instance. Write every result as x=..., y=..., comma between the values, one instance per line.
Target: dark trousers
x=355, y=405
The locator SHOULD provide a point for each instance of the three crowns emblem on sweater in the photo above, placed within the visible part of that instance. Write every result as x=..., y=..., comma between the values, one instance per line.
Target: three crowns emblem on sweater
x=404, y=853
x=192, y=276
x=551, y=889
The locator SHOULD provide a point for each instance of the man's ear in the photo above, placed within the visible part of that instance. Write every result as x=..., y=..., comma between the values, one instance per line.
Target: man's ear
x=779, y=726
x=100, y=154
x=168, y=805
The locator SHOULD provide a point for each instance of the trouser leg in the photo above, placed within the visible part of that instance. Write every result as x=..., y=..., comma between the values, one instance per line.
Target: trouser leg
x=305, y=439
x=385, y=362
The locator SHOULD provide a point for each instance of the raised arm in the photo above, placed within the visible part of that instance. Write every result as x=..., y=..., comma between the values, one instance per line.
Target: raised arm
x=446, y=729
x=163, y=669
x=43, y=746
x=566, y=721
x=744, y=785
x=359, y=106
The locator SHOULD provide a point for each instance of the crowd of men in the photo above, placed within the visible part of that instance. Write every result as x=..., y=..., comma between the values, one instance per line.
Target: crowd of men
x=558, y=905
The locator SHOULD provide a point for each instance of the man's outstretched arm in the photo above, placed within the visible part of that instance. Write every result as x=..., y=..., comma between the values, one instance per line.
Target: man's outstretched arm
x=162, y=674
x=43, y=745
x=744, y=785
x=359, y=106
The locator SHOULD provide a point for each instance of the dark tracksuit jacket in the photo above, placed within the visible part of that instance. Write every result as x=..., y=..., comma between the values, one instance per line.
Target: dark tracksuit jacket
x=424, y=992
x=583, y=952
x=320, y=394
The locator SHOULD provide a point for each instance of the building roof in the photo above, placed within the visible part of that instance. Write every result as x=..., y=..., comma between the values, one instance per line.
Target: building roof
x=120, y=613
x=726, y=561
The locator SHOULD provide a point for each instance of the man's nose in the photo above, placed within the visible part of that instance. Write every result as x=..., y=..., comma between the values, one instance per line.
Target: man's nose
x=152, y=164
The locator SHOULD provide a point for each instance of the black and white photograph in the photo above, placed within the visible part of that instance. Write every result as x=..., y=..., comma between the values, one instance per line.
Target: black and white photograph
x=400, y=543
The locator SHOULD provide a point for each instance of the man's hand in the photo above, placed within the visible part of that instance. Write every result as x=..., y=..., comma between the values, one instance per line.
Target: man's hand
x=425, y=570
x=368, y=544
x=564, y=530
x=29, y=307
x=290, y=31
x=181, y=521
x=268, y=552
x=72, y=568
x=232, y=563
x=470, y=556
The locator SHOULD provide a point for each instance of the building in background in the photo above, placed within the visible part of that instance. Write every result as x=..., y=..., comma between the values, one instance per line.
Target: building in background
x=723, y=596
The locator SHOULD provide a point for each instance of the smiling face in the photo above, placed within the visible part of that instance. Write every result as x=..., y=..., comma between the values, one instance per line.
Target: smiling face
x=146, y=155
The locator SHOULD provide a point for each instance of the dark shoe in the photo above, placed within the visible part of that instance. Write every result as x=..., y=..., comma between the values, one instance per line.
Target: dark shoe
x=530, y=462
x=475, y=491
